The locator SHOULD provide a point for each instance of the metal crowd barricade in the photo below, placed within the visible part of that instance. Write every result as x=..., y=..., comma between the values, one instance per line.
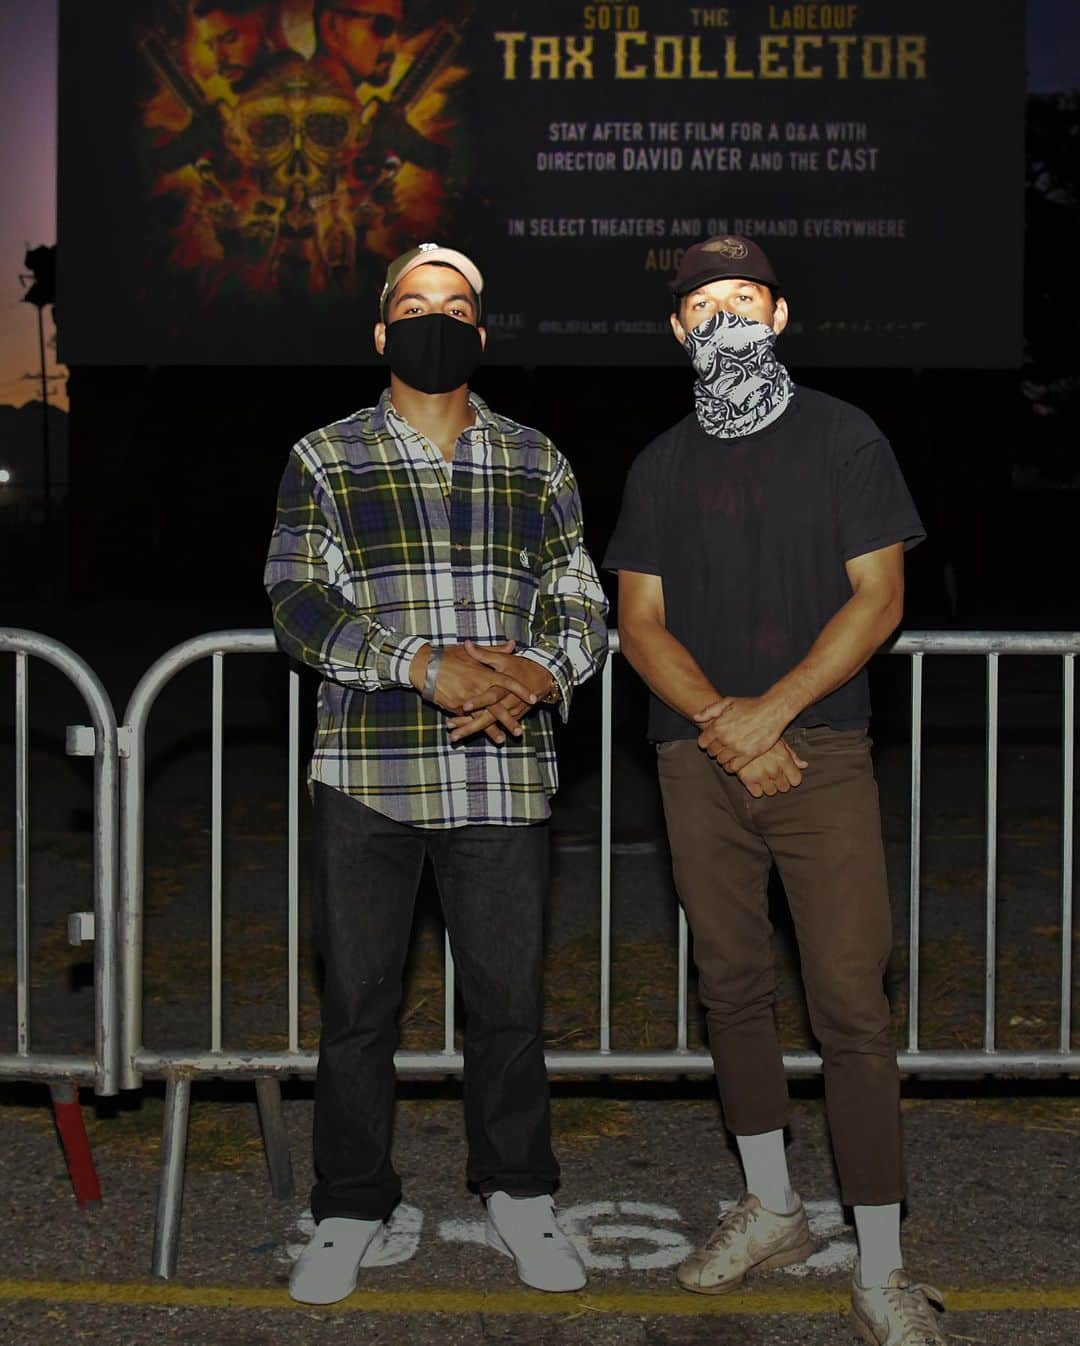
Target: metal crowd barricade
x=100, y=1069
x=267, y=1068
x=991, y=645
x=65, y=1072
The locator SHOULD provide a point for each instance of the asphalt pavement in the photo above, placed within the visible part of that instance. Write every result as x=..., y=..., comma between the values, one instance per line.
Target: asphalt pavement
x=990, y=1220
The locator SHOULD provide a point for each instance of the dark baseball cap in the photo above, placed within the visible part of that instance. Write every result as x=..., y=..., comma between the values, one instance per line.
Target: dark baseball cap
x=720, y=258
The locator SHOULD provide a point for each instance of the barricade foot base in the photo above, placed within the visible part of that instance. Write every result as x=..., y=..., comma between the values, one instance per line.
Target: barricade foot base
x=72, y=1131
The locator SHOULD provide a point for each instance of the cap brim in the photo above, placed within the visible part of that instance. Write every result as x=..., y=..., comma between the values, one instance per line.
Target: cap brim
x=680, y=287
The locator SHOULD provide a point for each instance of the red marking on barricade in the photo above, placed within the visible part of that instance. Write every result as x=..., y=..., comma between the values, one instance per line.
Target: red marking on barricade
x=80, y=1162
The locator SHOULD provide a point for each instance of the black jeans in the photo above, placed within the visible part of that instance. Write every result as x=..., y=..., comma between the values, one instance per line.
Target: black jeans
x=493, y=883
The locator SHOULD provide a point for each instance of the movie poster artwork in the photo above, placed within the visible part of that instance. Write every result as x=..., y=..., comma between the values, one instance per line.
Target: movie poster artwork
x=236, y=175
x=291, y=151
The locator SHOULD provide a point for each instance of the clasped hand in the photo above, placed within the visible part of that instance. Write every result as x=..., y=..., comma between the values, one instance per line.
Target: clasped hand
x=737, y=729
x=775, y=772
x=495, y=711
x=488, y=688
x=741, y=734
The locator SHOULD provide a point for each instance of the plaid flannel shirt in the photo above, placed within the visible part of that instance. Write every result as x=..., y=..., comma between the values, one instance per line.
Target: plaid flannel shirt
x=380, y=547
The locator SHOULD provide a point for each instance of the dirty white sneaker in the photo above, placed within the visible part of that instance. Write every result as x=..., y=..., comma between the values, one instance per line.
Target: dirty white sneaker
x=747, y=1238
x=524, y=1228
x=897, y=1313
x=327, y=1269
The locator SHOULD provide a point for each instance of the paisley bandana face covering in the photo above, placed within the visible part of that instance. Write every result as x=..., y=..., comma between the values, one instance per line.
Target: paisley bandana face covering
x=741, y=386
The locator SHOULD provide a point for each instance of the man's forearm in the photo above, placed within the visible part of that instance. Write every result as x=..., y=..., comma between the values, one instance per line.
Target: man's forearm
x=738, y=730
x=666, y=666
x=846, y=643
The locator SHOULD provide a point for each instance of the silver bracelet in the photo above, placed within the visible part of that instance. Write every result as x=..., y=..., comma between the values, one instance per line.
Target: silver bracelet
x=432, y=675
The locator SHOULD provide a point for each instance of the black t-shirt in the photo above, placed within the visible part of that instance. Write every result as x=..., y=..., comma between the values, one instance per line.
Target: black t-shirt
x=750, y=537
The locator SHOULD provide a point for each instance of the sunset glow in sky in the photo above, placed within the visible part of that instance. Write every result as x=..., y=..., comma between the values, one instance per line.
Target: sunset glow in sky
x=28, y=32
x=28, y=172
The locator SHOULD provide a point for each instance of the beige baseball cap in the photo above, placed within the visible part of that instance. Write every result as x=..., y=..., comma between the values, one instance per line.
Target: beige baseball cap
x=421, y=256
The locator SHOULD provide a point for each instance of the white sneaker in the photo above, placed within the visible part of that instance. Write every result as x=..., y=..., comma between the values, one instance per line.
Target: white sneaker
x=898, y=1313
x=748, y=1238
x=524, y=1228
x=327, y=1269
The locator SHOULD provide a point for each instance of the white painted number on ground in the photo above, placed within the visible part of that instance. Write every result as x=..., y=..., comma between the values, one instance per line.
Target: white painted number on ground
x=836, y=1247
x=612, y=1236
x=584, y=1226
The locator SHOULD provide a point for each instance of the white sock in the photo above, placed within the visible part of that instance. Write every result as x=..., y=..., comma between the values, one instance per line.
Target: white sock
x=765, y=1166
x=878, y=1228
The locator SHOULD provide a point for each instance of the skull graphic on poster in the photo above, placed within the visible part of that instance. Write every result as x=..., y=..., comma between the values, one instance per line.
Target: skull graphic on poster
x=295, y=126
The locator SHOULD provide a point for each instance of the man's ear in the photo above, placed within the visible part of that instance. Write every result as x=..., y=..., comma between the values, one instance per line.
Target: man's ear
x=678, y=329
x=483, y=336
x=780, y=316
x=380, y=337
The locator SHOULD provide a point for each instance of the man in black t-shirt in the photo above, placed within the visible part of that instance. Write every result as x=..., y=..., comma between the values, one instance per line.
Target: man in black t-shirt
x=760, y=552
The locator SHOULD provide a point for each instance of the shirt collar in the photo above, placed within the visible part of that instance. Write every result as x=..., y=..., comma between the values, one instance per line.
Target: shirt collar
x=387, y=417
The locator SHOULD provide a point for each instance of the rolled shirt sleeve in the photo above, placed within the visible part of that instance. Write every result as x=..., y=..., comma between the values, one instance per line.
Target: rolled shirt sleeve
x=569, y=623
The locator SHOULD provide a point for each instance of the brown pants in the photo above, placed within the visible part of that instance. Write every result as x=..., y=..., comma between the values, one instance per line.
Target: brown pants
x=825, y=838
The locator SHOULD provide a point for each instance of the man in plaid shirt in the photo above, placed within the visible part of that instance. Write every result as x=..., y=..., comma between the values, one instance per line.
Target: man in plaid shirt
x=428, y=561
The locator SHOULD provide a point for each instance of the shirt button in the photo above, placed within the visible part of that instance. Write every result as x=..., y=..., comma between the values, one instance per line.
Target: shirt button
x=462, y=603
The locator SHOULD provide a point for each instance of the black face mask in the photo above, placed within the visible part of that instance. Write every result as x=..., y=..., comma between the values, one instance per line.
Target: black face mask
x=433, y=354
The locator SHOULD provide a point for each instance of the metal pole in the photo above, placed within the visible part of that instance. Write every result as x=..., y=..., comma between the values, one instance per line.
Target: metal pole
x=1067, y=834
x=171, y=1189
x=22, y=854
x=107, y=972
x=46, y=468
x=130, y=922
x=992, y=728
x=448, y=995
x=605, y=858
x=915, y=869
x=294, y=860
x=216, y=826
x=232, y=1065
x=275, y=1138
x=680, y=1032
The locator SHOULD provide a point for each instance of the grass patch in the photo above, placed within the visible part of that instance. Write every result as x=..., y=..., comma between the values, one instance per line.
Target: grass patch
x=1028, y=1112
x=254, y=964
x=644, y=983
x=52, y=960
x=220, y=1135
x=952, y=990
x=581, y=1120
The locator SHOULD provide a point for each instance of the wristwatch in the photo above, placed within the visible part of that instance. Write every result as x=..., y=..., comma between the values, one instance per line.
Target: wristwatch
x=553, y=697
